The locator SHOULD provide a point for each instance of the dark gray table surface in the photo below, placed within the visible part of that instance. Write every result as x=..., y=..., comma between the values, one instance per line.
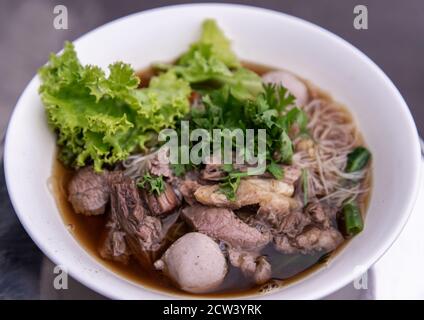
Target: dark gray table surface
x=394, y=40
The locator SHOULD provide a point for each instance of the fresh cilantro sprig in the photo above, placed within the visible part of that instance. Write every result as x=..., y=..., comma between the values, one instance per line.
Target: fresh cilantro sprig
x=231, y=182
x=152, y=183
x=276, y=170
x=269, y=110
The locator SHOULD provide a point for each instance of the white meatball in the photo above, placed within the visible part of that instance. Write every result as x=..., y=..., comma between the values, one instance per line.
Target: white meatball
x=195, y=262
x=291, y=82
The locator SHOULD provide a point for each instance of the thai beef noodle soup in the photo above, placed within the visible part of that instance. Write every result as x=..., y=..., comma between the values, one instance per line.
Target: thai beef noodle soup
x=212, y=227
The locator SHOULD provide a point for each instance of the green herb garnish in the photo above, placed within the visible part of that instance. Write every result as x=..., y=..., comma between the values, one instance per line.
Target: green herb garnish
x=179, y=169
x=276, y=170
x=231, y=182
x=210, y=62
x=357, y=159
x=222, y=110
x=152, y=183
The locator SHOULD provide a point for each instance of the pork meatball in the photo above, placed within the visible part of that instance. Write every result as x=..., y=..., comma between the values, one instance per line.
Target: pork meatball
x=195, y=263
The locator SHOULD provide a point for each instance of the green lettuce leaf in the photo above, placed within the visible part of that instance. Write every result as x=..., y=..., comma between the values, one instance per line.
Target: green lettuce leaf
x=244, y=84
x=211, y=61
x=199, y=64
x=163, y=101
x=101, y=120
x=221, y=46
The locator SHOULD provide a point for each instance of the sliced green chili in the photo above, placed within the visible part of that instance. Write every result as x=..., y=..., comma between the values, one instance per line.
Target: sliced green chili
x=352, y=218
x=357, y=159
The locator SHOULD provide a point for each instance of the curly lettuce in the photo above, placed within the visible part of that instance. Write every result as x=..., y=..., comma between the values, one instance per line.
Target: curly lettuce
x=165, y=100
x=101, y=119
x=210, y=60
x=220, y=45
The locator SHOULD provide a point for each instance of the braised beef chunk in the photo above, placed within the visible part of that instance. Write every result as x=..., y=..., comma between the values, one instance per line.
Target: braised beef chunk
x=270, y=194
x=158, y=166
x=168, y=200
x=115, y=177
x=273, y=196
x=318, y=215
x=216, y=172
x=88, y=191
x=163, y=203
x=311, y=230
x=141, y=224
x=143, y=232
x=113, y=245
x=187, y=188
x=213, y=172
x=263, y=271
x=283, y=244
x=291, y=224
x=312, y=239
x=223, y=224
x=318, y=239
x=251, y=264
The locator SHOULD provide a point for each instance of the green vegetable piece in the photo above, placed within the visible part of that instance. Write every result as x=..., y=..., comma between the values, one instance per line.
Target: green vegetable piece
x=152, y=184
x=228, y=167
x=221, y=46
x=268, y=110
x=352, y=218
x=229, y=188
x=276, y=170
x=357, y=159
x=100, y=120
x=178, y=169
x=231, y=183
x=286, y=149
x=164, y=101
x=244, y=84
x=210, y=60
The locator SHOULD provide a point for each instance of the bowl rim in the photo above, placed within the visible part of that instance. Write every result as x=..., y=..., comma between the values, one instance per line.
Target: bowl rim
x=323, y=291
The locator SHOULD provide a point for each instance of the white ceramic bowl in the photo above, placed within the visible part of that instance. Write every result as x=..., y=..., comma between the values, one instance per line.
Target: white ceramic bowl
x=260, y=36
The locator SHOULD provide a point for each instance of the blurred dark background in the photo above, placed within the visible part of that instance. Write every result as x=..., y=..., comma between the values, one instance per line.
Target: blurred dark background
x=394, y=40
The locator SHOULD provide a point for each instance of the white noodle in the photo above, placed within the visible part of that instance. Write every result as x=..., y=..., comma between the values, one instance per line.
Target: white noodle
x=137, y=164
x=334, y=136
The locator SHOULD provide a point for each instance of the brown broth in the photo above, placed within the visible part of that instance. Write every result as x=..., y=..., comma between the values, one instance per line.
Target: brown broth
x=88, y=231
